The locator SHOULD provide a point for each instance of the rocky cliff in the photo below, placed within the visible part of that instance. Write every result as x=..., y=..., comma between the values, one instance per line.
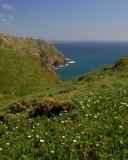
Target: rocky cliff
x=49, y=55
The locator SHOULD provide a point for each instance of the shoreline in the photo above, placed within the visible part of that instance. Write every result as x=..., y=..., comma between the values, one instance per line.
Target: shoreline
x=69, y=61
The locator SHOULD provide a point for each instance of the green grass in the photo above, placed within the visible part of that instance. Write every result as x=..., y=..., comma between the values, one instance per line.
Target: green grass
x=22, y=74
x=95, y=129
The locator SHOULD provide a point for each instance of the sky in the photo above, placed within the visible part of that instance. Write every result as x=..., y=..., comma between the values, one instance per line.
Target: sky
x=83, y=20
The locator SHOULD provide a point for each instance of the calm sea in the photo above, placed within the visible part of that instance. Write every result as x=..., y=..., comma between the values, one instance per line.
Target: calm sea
x=89, y=56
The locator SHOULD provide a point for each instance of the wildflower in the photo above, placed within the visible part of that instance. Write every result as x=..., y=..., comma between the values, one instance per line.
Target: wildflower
x=52, y=151
x=65, y=111
x=8, y=144
x=37, y=136
x=120, y=127
x=95, y=116
x=1, y=149
x=63, y=137
x=29, y=136
x=74, y=141
x=82, y=107
x=82, y=132
x=121, y=142
x=60, y=114
x=41, y=140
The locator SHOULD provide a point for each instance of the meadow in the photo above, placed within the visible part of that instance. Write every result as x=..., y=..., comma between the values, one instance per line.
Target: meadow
x=96, y=128
x=82, y=119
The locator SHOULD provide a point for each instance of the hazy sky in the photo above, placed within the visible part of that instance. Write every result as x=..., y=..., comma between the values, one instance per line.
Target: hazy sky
x=66, y=19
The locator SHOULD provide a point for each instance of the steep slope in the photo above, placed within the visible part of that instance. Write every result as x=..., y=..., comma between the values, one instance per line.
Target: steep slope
x=22, y=73
x=48, y=53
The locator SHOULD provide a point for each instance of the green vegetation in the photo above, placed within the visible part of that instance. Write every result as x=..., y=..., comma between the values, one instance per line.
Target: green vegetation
x=43, y=118
x=95, y=129
x=22, y=74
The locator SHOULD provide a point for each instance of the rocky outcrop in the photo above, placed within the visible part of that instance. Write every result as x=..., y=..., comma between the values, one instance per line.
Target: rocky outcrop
x=48, y=54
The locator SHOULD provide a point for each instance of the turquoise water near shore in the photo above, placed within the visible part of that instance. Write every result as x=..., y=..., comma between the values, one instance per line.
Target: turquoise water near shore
x=89, y=56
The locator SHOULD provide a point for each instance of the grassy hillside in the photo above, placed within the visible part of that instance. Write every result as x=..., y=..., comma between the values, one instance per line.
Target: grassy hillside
x=48, y=54
x=22, y=73
x=85, y=118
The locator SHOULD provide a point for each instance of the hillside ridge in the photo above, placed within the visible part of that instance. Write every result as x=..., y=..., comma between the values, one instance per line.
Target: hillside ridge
x=48, y=54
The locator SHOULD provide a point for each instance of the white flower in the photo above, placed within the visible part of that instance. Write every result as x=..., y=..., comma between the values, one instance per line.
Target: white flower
x=120, y=127
x=121, y=142
x=1, y=149
x=52, y=151
x=41, y=140
x=63, y=137
x=37, y=136
x=74, y=141
x=8, y=144
x=29, y=136
x=82, y=132
x=82, y=107
x=97, y=145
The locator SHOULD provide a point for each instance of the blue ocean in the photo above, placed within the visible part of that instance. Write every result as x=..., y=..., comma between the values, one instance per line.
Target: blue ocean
x=87, y=56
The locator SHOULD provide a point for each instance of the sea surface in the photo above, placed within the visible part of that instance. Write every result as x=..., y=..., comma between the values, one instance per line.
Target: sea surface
x=87, y=56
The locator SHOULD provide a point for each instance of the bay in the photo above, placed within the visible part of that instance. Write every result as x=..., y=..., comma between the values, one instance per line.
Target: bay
x=87, y=56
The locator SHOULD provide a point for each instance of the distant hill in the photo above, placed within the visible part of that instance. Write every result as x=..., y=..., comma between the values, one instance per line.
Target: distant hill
x=41, y=49
x=26, y=65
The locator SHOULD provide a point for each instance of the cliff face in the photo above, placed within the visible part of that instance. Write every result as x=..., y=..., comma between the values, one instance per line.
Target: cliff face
x=49, y=55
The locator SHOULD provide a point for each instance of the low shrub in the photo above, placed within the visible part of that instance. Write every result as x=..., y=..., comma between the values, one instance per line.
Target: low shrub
x=50, y=107
x=19, y=106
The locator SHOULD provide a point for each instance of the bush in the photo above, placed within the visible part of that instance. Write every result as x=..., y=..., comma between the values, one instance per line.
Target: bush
x=50, y=107
x=19, y=106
